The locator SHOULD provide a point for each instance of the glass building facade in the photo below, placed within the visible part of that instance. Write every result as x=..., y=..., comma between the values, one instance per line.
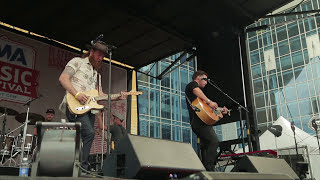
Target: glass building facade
x=163, y=110
x=284, y=63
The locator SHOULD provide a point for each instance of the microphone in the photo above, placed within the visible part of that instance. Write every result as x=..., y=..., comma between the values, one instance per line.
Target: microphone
x=97, y=39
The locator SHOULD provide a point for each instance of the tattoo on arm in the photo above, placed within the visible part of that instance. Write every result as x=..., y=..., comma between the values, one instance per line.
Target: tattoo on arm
x=69, y=70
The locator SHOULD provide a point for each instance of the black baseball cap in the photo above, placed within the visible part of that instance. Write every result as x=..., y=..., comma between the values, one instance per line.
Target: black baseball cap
x=50, y=111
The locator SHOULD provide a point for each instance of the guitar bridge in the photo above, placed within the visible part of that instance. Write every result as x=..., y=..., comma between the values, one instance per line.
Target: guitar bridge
x=82, y=108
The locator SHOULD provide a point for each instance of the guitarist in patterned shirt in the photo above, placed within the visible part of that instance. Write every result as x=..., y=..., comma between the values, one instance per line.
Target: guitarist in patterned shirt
x=208, y=138
x=81, y=75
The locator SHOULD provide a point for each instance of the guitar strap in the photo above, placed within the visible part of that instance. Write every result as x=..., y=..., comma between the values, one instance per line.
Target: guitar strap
x=194, y=108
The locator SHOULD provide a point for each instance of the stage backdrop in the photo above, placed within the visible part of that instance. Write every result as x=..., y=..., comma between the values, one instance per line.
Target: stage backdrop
x=30, y=68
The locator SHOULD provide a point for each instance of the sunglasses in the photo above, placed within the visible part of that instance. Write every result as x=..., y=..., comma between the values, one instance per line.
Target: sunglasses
x=206, y=79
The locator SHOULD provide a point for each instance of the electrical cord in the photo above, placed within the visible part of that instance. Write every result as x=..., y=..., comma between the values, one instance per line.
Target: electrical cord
x=95, y=175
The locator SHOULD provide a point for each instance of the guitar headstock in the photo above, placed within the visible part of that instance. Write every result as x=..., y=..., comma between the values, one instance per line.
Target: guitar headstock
x=136, y=93
x=229, y=110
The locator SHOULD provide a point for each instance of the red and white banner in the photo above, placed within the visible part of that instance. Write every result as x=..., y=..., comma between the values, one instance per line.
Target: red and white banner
x=30, y=68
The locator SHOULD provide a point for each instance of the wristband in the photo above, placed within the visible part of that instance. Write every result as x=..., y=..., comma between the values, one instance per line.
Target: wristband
x=77, y=95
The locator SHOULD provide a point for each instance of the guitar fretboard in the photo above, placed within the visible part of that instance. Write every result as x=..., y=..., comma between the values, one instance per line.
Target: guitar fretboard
x=105, y=97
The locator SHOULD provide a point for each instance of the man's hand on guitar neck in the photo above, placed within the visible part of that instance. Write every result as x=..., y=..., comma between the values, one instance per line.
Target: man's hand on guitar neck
x=82, y=98
x=225, y=110
x=123, y=95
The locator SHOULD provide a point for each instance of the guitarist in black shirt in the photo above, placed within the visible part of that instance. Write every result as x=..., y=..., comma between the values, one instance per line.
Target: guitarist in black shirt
x=208, y=137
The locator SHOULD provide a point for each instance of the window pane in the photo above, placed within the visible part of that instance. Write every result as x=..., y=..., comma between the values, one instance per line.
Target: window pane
x=311, y=88
x=144, y=128
x=293, y=29
x=295, y=44
x=186, y=135
x=154, y=72
x=300, y=75
x=305, y=107
x=288, y=78
x=297, y=59
x=176, y=108
x=155, y=129
x=316, y=70
x=303, y=90
x=253, y=44
x=176, y=130
x=254, y=57
x=165, y=105
x=257, y=85
x=274, y=97
x=184, y=79
x=290, y=93
x=309, y=24
x=273, y=82
x=185, y=112
x=293, y=109
x=306, y=56
x=154, y=102
x=282, y=33
x=175, y=80
x=283, y=48
x=261, y=115
x=166, y=80
x=301, y=27
x=143, y=100
x=267, y=39
x=166, y=131
x=256, y=71
x=259, y=99
x=285, y=62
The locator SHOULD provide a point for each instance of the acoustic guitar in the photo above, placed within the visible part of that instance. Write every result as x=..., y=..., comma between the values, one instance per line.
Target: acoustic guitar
x=76, y=107
x=208, y=115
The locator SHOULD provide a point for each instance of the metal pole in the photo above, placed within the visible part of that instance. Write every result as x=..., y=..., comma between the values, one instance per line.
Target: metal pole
x=244, y=97
x=242, y=132
x=109, y=103
x=24, y=134
x=3, y=128
x=102, y=139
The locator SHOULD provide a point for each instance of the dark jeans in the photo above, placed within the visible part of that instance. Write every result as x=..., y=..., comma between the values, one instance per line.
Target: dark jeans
x=209, y=143
x=87, y=133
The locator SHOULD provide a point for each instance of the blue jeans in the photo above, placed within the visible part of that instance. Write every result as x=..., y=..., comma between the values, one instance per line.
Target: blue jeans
x=87, y=133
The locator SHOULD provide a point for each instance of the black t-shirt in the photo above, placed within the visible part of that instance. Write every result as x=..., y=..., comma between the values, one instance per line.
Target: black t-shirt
x=117, y=132
x=194, y=119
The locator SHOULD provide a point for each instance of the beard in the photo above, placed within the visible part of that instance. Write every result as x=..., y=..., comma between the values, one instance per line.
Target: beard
x=96, y=64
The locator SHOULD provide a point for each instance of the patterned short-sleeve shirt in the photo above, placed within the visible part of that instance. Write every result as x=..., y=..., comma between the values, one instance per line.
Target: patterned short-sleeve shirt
x=84, y=79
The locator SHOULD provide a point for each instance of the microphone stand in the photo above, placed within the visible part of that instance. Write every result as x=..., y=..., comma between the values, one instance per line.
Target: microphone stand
x=295, y=140
x=109, y=99
x=4, y=122
x=26, y=125
x=315, y=126
x=239, y=109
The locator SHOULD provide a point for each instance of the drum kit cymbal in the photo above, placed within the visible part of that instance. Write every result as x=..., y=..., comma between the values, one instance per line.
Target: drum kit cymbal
x=11, y=145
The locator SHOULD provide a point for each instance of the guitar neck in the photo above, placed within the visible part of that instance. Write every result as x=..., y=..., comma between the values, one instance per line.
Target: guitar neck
x=105, y=97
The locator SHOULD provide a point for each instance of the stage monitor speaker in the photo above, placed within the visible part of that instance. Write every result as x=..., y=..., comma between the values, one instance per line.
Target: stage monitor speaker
x=150, y=158
x=265, y=165
x=235, y=175
x=58, y=152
